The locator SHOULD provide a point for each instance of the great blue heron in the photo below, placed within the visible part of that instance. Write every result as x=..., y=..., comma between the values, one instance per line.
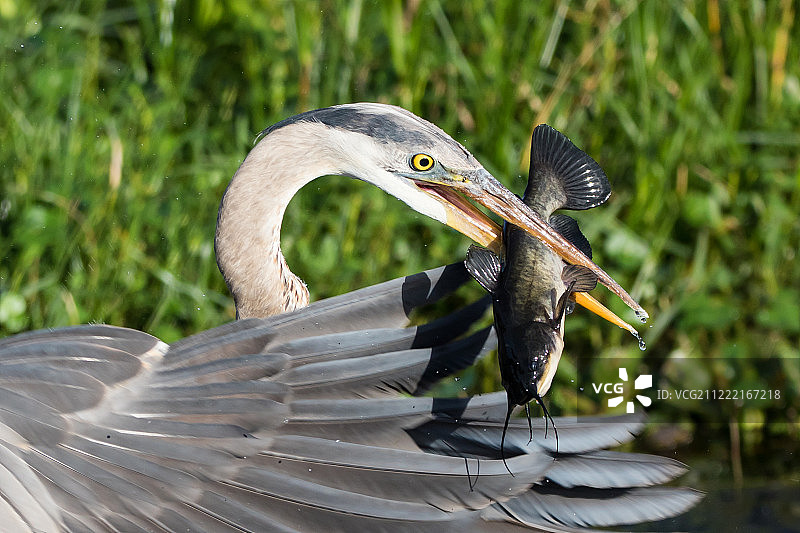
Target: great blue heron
x=387, y=146
x=310, y=420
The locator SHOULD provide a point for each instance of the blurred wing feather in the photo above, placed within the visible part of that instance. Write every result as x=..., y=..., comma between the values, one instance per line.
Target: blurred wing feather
x=297, y=423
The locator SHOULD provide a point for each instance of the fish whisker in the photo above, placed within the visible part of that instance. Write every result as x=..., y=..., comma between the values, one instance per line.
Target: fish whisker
x=547, y=417
x=530, y=426
x=503, y=438
x=466, y=464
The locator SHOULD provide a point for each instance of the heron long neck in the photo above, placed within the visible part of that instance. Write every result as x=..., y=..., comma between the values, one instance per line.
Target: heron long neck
x=247, y=241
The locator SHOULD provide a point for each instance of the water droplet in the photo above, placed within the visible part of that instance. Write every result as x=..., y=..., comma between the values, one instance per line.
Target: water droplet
x=642, y=345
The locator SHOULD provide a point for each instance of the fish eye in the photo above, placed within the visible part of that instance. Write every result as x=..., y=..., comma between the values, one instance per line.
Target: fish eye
x=421, y=162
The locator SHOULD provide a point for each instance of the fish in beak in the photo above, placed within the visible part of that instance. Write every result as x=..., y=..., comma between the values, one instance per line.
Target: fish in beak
x=480, y=186
x=533, y=287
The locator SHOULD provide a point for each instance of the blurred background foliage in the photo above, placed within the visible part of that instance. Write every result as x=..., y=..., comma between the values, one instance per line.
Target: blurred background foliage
x=122, y=122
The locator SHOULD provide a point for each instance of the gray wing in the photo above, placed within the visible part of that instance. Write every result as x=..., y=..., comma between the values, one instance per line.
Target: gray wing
x=304, y=422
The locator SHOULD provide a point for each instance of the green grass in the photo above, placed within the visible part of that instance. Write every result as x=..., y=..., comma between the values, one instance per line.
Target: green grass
x=121, y=124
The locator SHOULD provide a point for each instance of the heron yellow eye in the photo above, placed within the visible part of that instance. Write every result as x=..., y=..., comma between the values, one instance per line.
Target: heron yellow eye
x=421, y=162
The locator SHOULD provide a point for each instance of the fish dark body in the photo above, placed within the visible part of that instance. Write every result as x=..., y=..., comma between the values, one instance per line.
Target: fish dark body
x=531, y=289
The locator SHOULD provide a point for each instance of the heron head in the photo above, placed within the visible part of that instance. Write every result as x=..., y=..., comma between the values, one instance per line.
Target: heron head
x=420, y=164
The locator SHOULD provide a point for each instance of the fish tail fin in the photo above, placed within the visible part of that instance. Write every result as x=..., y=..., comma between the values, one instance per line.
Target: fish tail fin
x=484, y=266
x=557, y=164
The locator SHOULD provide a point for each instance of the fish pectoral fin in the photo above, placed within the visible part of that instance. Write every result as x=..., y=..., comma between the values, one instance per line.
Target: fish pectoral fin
x=555, y=160
x=581, y=278
x=484, y=266
x=568, y=228
x=561, y=307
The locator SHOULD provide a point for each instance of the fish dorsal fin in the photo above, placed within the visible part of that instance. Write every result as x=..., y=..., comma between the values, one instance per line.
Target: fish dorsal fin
x=581, y=278
x=568, y=228
x=484, y=266
x=562, y=175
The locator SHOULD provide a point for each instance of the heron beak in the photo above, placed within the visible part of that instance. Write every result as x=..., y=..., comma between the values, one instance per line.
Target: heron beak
x=485, y=190
x=465, y=217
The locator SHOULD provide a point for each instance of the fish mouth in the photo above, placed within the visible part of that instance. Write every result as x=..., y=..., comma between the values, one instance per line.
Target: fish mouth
x=485, y=190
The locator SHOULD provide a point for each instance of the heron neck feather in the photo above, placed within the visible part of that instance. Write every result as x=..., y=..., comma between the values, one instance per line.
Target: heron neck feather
x=247, y=242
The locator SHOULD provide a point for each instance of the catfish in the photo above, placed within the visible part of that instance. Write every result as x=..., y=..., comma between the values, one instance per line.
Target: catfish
x=532, y=288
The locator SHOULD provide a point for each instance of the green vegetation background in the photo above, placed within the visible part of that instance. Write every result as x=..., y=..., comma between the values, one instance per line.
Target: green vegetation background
x=122, y=122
